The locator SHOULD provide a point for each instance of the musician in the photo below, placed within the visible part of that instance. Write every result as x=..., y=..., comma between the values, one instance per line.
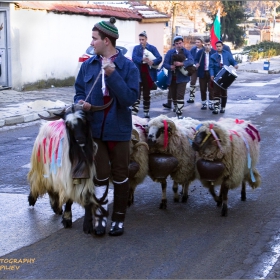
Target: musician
x=148, y=71
x=201, y=61
x=176, y=80
x=217, y=60
x=194, y=50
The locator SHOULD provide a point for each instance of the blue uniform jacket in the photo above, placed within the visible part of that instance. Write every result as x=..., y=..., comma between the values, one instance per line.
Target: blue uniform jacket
x=214, y=63
x=180, y=78
x=123, y=85
x=137, y=57
x=200, y=69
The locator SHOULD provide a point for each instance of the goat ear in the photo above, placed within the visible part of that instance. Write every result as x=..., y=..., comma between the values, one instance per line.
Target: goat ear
x=99, y=108
x=53, y=116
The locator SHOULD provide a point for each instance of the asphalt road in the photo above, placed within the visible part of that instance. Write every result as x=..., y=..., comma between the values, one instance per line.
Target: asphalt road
x=185, y=241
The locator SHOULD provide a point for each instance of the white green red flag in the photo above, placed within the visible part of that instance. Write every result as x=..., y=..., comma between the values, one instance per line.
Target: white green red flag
x=215, y=34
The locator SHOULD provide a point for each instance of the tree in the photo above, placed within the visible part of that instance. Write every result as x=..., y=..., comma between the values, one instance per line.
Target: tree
x=234, y=15
x=187, y=8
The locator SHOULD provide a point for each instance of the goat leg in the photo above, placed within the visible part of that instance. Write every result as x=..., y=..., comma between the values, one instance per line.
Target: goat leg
x=224, y=192
x=243, y=191
x=163, y=204
x=175, y=191
x=218, y=199
x=67, y=214
x=87, y=225
x=185, y=190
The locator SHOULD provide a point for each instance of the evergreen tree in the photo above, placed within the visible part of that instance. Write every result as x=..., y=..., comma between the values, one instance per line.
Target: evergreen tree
x=230, y=31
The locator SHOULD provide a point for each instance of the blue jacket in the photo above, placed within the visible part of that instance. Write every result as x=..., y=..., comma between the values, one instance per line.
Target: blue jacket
x=137, y=57
x=193, y=51
x=180, y=78
x=198, y=57
x=123, y=85
x=214, y=63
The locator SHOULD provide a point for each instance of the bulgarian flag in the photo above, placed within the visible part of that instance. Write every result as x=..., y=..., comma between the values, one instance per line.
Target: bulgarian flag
x=215, y=34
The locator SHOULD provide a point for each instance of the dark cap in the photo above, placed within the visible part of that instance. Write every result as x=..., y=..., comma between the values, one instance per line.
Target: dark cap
x=108, y=28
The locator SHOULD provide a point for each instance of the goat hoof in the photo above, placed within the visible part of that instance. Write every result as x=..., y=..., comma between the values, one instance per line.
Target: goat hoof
x=243, y=197
x=176, y=199
x=66, y=223
x=32, y=200
x=163, y=205
x=88, y=228
x=219, y=203
x=224, y=211
x=57, y=211
x=185, y=198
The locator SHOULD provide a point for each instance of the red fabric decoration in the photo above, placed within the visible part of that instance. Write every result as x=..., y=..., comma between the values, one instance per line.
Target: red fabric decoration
x=38, y=153
x=165, y=142
x=44, y=149
x=255, y=130
x=145, y=69
x=50, y=148
x=239, y=121
x=211, y=126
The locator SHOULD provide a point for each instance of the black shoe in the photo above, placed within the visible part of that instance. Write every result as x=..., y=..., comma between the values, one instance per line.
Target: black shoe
x=116, y=229
x=190, y=101
x=215, y=111
x=204, y=107
x=166, y=105
x=222, y=110
x=100, y=229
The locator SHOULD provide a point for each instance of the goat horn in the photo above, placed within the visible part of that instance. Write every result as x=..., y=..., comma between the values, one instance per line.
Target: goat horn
x=52, y=116
x=141, y=143
x=99, y=108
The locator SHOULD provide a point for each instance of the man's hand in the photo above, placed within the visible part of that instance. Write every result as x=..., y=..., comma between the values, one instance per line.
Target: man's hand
x=236, y=66
x=108, y=66
x=86, y=105
x=178, y=63
x=172, y=67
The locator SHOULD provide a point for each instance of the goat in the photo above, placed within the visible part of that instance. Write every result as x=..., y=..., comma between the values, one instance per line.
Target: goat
x=227, y=154
x=169, y=145
x=62, y=164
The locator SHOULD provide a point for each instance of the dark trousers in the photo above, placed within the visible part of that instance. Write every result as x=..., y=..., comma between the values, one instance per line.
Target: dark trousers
x=177, y=91
x=193, y=78
x=220, y=95
x=113, y=162
x=205, y=84
x=144, y=88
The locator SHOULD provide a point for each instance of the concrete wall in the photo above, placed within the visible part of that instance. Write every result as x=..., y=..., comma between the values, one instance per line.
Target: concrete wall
x=46, y=46
x=155, y=33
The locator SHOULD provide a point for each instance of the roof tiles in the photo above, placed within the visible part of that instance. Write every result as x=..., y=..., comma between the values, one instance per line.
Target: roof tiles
x=136, y=11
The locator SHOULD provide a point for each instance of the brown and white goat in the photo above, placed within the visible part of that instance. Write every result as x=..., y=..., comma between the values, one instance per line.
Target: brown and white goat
x=62, y=164
x=169, y=146
x=227, y=154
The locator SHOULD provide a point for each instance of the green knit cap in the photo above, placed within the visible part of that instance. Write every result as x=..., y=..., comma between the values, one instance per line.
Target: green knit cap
x=108, y=28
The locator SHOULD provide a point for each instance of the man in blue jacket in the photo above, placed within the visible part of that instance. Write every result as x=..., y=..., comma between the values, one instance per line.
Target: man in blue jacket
x=109, y=76
x=176, y=80
x=201, y=61
x=194, y=50
x=217, y=60
x=147, y=67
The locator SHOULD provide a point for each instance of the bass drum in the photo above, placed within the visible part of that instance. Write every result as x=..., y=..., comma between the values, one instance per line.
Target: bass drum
x=225, y=77
x=162, y=79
